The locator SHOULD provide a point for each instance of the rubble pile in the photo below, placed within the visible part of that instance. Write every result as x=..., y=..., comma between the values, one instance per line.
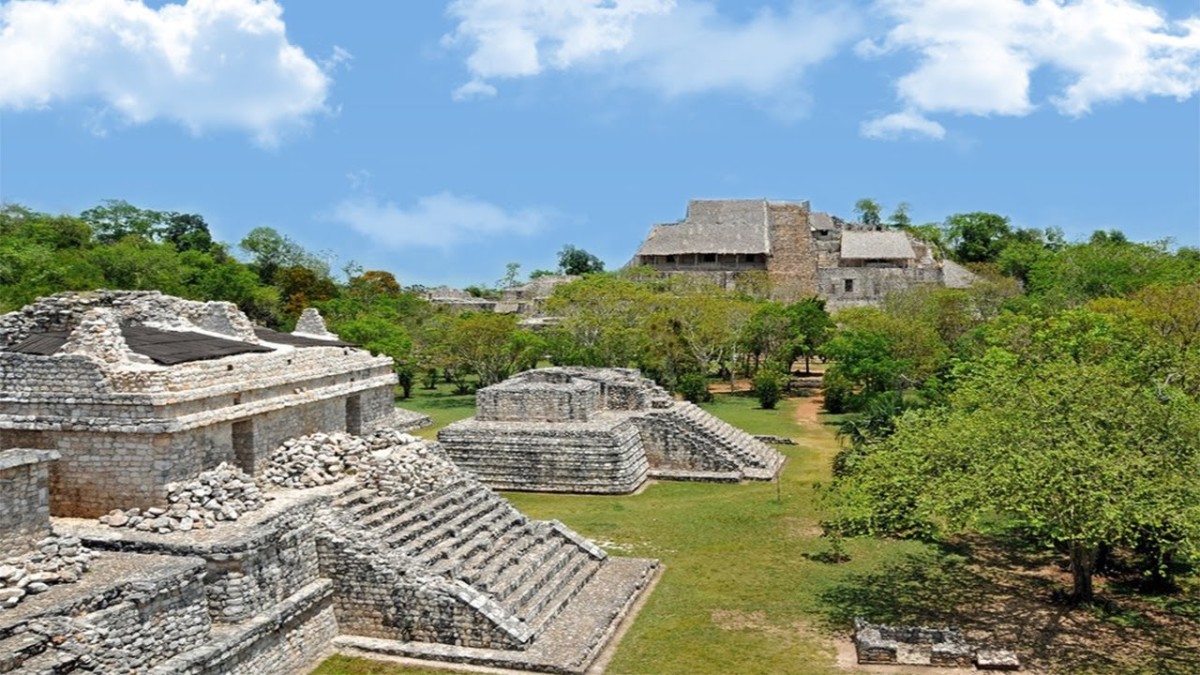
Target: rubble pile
x=409, y=470
x=321, y=459
x=55, y=560
x=221, y=494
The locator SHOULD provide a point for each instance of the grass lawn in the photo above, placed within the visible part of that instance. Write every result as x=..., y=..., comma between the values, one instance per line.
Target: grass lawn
x=746, y=589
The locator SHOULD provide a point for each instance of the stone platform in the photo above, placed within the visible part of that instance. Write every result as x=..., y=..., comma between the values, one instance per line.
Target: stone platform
x=598, y=430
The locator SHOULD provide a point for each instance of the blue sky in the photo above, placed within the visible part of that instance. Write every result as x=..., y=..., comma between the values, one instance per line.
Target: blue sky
x=441, y=140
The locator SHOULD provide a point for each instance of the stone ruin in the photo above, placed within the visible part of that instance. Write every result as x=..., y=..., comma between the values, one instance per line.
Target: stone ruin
x=878, y=644
x=598, y=430
x=185, y=553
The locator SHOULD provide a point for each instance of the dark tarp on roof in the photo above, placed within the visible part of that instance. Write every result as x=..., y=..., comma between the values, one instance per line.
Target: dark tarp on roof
x=161, y=346
x=172, y=347
x=296, y=340
x=41, y=344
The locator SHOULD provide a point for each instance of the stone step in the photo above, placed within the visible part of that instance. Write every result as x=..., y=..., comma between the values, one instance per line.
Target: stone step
x=545, y=607
x=483, y=548
x=450, y=530
x=512, y=575
x=379, y=519
x=478, y=536
x=366, y=508
x=547, y=580
x=429, y=521
x=507, y=556
x=418, y=510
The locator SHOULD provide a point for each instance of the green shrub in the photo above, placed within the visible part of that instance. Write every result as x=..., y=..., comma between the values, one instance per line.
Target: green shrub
x=839, y=395
x=694, y=387
x=768, y=389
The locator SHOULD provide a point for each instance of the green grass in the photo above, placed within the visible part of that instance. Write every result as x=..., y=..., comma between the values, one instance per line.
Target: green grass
x=441, y=404
x=743, y=589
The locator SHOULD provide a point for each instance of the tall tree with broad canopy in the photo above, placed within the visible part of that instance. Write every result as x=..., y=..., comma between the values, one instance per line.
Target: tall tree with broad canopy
x=1074, y=454
x=577, y=261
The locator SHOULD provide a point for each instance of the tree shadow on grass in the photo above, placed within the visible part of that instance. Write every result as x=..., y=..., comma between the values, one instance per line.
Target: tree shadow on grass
x=1003, y=598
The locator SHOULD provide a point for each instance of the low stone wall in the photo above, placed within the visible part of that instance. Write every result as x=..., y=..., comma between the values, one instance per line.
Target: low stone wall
x=537, y=401
x=25, y=507
x=129, y=613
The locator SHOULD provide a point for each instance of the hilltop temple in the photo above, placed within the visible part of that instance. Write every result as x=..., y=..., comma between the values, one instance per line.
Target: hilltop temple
x=802, y=252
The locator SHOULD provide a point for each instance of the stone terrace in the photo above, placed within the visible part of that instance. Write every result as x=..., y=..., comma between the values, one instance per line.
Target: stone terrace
x=598, y=430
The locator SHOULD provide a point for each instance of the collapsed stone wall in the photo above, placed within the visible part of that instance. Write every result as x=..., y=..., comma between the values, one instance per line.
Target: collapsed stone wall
x=64, y=311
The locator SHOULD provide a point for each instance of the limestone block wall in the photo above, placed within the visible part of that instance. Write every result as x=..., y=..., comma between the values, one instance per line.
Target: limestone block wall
x=380, y=593
x=144, y=611
x=870, y=284
x=24, y=499
x=792, y=266
x=669, y=446
x=520, y=400
x=604, y=456
x=291, y=637
x=128, y=465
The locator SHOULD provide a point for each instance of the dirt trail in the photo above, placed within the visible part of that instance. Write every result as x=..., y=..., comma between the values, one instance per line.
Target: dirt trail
x=808, y=409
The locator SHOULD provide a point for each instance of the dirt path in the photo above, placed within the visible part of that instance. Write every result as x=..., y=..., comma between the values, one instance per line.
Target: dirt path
x=808, y=409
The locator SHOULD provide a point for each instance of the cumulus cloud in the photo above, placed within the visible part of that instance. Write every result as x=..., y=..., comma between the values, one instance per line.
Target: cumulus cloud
x=437, y=221
x=902, y=125
x=978, y=56
x=672, y=47
x=206, y=64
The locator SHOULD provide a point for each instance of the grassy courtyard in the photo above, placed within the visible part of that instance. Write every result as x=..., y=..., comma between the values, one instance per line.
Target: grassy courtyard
x=748, y=587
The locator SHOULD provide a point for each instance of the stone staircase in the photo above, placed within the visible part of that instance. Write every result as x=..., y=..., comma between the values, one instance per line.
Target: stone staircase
x=29, y=653
x=465, y=532
x=757, y=460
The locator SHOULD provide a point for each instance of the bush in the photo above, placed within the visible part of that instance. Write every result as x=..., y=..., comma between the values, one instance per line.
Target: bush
x=768, y=389
x=839, y=395
x=694, y=387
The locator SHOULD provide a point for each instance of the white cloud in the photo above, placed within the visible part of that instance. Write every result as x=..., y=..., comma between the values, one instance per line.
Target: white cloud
x=673, y=47
x=437, y=221
x=904, y=124
x=979, y=55
x=206, y=64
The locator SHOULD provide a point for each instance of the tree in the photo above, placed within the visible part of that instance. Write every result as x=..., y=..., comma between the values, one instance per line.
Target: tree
x=810, y=327
x=869, y=211
x=1074, y=454
x=491, y=346
x=511, y=277
x=978, y=236
x=270, y=251
x=115, y=219
x=577, y=261
x=899, y=218
x=603, y=321
x=187, y=232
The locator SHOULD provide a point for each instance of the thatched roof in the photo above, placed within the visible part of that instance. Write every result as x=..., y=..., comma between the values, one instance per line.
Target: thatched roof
x=876, y=246
x=713, y=226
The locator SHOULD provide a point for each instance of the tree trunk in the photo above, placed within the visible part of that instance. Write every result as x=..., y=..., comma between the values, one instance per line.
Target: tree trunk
x=807, y=365
x=1083, y=563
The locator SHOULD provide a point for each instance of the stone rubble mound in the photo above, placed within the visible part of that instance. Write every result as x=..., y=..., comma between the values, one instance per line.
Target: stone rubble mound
x=321, y=459
x=409, y=470
x=56, y=560
x=220, y=494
